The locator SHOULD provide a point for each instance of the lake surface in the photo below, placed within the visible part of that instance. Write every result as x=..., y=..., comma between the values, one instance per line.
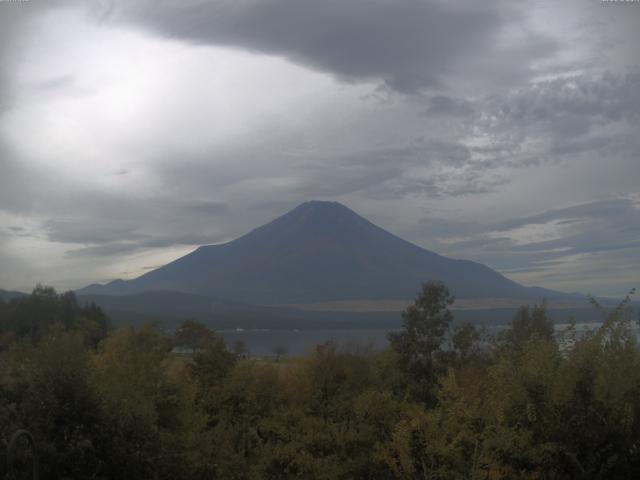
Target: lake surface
x=298, y=342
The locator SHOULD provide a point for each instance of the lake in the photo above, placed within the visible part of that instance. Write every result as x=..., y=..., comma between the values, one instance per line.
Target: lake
x=261, y=342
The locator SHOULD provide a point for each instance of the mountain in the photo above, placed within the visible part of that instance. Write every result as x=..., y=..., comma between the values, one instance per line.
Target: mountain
x=318, y=252
x=7, y=295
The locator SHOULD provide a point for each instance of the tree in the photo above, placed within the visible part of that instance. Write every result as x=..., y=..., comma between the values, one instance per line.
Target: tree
x=33, y=316
x=140, y=405
x=240, y=348
x=212, y=364
x=418, y=345
x=279, y=351
x=464, y=340
x=194, y=335
x=48, y=388
x=529, y=322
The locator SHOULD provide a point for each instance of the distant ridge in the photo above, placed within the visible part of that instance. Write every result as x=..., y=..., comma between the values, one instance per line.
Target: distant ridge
x=8, y=295
x=317, y=252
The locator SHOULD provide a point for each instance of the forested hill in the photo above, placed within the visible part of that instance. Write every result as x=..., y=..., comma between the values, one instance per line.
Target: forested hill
x=7, y=295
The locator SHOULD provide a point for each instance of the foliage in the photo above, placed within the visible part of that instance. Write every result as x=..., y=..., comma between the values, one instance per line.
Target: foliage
x=48, y=389
x=193, y=335
x=529, y=322
x=442, y=402
x=419, y=345
x=34, y=316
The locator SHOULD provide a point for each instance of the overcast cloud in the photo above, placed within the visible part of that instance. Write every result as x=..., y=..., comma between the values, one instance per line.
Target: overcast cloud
x=504, y=132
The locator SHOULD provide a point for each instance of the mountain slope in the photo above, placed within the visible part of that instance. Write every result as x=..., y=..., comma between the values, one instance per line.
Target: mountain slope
x=7, y=295
x=319, y=251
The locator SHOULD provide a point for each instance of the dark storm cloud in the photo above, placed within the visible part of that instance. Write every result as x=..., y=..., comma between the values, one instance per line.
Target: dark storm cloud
x=462, y=183
x=545, y=123
x=383, y=172
x=452, y=154
x=569, y=106
x=327, y=174
x=378, y=171
x=454, y=171
x=406, y=44
x=561, y=117
x=442, y=105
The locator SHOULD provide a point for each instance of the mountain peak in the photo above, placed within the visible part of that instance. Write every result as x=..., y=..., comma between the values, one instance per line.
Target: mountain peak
x=321, y=203
x=322, y=206
x=318, y=218
x=318, y=251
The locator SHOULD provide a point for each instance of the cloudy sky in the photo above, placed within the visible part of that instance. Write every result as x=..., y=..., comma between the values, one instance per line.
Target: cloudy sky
x=505, y=132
